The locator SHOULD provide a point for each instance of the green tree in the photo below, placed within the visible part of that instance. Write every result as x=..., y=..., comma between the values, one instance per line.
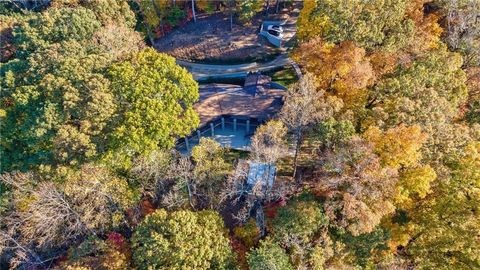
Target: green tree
x=430, y=90
x=299, y=221
x=333, y=133
x=368, y=23
x=115, y=12
x=365, y=245
x=52, y=26
x=56, y=102
x=182, y=240
x=57, y=105
x=268, y=256
x=248, y=8
x=157, y=99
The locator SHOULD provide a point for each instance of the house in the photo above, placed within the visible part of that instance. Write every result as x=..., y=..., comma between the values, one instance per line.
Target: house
x=230, y=113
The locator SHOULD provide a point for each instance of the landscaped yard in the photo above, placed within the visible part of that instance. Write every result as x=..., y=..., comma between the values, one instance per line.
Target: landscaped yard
x=285, y=76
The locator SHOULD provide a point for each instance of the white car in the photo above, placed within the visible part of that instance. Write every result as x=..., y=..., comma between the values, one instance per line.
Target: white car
x=275, y=30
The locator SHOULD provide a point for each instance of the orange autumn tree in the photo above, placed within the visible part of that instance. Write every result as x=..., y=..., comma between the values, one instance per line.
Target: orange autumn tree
x=342, y=70
x=427, y=29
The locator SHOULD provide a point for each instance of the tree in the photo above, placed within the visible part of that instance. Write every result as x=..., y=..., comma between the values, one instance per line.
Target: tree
x=231, y=8
x=45, y=216
x=268, y=256
x=304, y=106
x=181, y=240
x=183, y=191
x=95, y=253
x=249, y=233
x=268, y=143
x=149, y=17
x=448, y=221
x=193, y=11
x=428, y=91
x=414, y=183
x=112, y=12
x=333, y=133
x=248, y=8
x=177, y=180
x=368, y=24
x=7, y=47
x=427, y=30
x=249, y=198
x=211, y=170
x=463, y=28
x=58, y=104
x=117, y=41
x=157, y=97
x=428, y=94
x=358, y=190
x=57, y=101
x=56, y=25
x=363, y=246
x=298, y=222
x=305, y=21
x=341, y=70
x=397, y=147
x=152, y=173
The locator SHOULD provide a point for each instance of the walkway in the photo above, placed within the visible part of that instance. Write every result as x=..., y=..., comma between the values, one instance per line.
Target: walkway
x=203, y=72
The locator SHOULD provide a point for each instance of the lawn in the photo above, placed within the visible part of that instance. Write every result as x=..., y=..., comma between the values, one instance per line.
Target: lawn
x=285, y=76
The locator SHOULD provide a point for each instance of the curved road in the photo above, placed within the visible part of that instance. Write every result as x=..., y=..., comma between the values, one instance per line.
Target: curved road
x=202, y=72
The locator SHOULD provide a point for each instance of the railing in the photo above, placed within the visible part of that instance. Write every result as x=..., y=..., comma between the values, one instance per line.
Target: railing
x=208, y=130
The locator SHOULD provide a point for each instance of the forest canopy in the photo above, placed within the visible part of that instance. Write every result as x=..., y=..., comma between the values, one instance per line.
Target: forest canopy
x=375, y=151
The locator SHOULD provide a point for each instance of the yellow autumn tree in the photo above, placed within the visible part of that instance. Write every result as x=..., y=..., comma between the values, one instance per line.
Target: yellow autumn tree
x=308, y=25
x=400, y=148
x=397, y=147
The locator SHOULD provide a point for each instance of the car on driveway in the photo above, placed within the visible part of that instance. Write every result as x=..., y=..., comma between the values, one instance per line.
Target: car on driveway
x=275, y=30
x=274, y=27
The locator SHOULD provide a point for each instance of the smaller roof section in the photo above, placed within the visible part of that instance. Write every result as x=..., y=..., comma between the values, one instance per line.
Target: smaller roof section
x=256, y=83
x=263, y=172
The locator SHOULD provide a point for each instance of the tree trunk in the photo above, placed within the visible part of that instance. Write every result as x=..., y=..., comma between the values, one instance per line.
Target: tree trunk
x=277, y=6
x=267, y=4
x=193, y=11
x=260, y=219
x=149, y=30
x=149, y=33
x=298, y=139
x=190, y=196
x=231, y=21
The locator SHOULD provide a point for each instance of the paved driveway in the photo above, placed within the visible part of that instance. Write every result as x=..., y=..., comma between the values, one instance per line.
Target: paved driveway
x=203, y=72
